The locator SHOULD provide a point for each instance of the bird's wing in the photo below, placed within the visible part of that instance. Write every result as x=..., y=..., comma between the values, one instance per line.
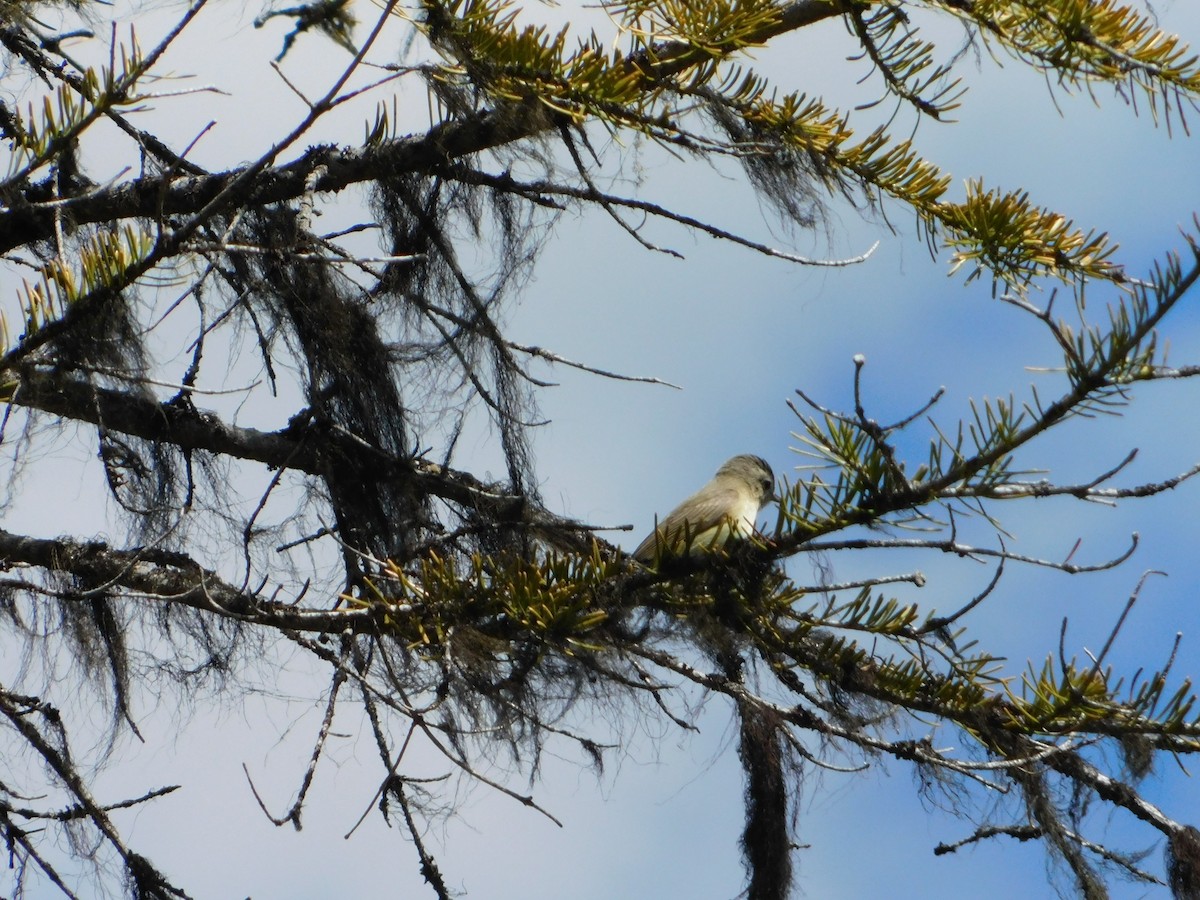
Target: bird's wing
x=706, y=511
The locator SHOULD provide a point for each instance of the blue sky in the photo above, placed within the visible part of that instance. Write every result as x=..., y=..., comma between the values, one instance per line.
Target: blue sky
x=740, y=333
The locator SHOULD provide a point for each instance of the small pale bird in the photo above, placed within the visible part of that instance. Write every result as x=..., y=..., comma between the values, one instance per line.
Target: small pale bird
x=728, y=506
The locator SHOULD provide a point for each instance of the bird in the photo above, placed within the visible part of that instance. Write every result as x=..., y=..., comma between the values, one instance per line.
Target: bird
x=727, y=507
